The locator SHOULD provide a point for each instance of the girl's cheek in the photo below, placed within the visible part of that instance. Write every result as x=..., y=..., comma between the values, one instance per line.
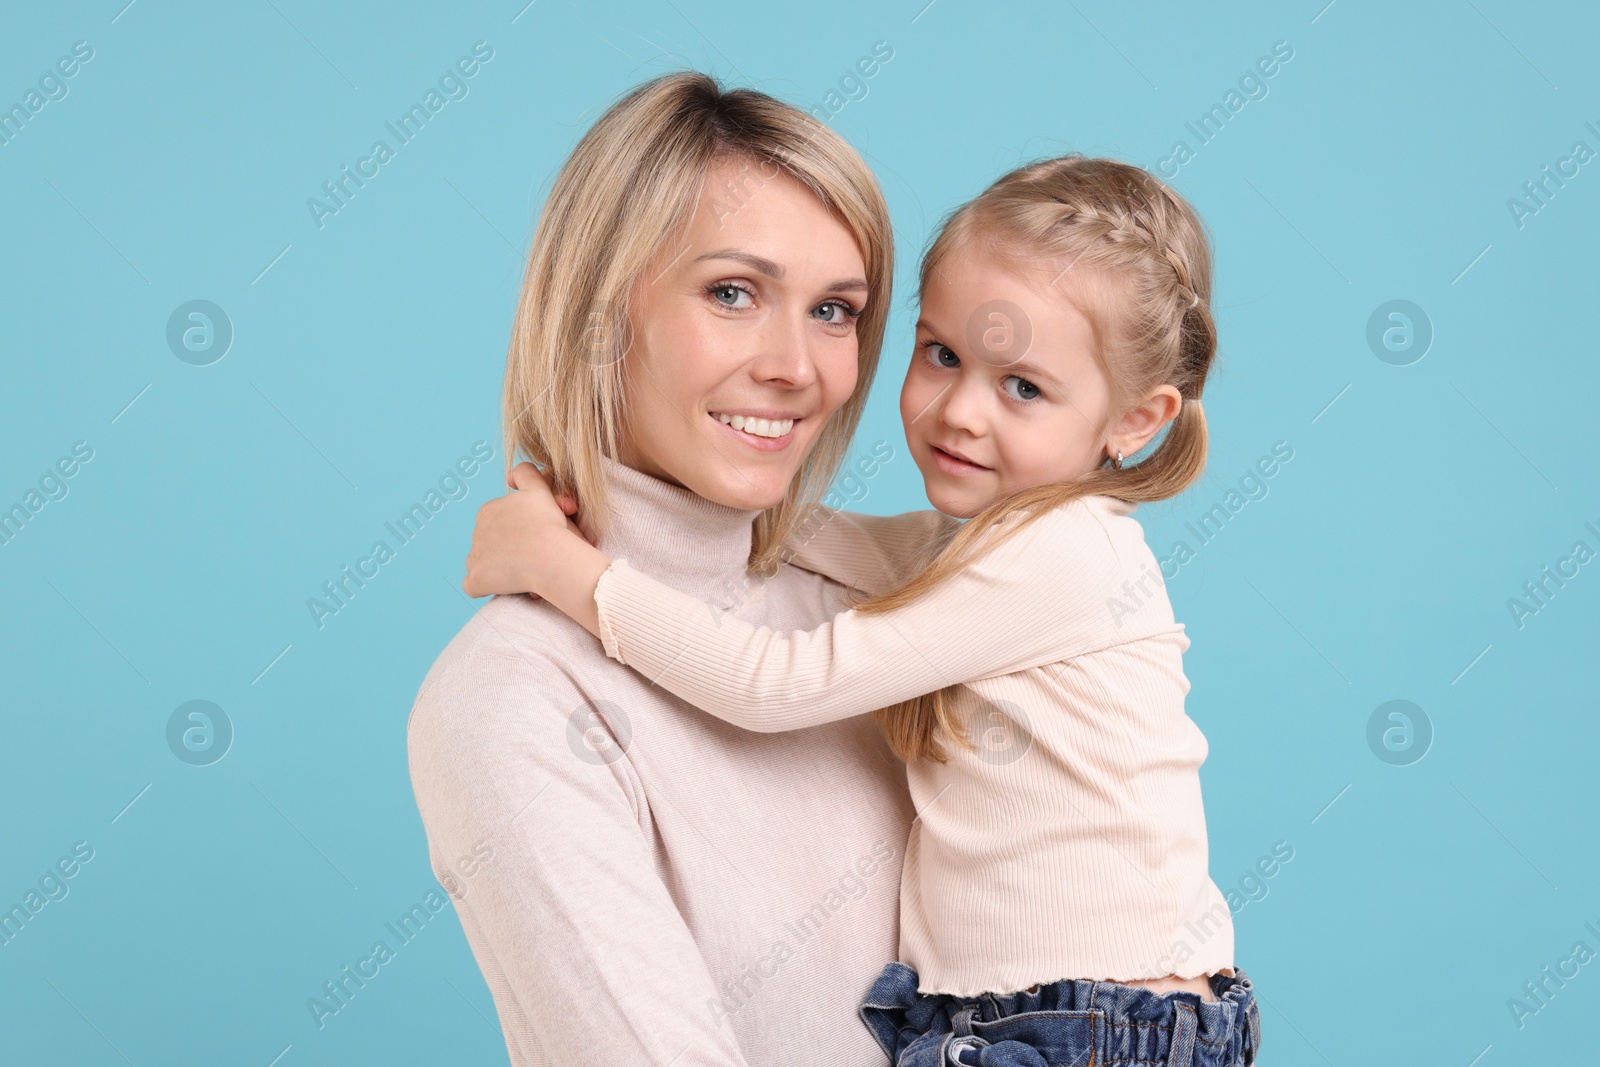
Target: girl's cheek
x=909, y=394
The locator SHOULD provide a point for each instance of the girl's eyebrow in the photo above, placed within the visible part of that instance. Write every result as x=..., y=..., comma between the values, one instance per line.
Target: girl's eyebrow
x=1033, y=371
x=775, y=271
x=1021, y=367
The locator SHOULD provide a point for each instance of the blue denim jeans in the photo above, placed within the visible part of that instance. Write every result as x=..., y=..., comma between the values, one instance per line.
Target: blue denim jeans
x=1081, y=1023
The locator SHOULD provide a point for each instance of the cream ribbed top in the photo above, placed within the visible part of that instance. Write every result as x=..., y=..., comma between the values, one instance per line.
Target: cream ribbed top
x=1072, y=842
x=641, y=884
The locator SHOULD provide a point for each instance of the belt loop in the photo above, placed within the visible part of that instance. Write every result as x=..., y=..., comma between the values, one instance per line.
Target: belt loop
x=961, y=1024
x=1184, y=1028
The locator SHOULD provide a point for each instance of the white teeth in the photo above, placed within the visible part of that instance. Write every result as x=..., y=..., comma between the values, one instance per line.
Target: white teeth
x=758, y=427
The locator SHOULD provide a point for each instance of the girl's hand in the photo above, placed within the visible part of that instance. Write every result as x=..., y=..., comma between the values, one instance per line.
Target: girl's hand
x=510, y=539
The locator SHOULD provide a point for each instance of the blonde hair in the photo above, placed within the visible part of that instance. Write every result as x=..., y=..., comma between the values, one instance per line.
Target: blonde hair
x=628, y=189
x=1139, y=269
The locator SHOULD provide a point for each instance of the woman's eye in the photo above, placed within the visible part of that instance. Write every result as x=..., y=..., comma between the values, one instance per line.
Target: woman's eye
x=835, y=313
x=728, y=295
x=941, y=355
x=1026, y=390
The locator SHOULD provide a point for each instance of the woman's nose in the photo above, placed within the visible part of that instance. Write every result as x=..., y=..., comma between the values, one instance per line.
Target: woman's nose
x=784, y=353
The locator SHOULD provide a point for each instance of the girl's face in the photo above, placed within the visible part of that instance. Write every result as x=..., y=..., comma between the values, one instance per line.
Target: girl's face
x=749, y=319
x=1004, y=392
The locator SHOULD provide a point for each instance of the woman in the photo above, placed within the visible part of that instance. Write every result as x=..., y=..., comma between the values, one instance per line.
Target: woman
x=639, y=882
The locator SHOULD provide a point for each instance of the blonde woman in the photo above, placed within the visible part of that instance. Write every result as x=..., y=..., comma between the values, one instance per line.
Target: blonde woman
x=641, y=883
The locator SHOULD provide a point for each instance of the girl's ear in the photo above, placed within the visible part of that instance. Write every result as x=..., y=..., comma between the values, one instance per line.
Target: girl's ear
x=1145, y=419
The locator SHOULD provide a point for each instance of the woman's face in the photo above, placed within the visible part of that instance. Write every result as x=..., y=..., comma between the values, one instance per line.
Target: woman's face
x=743, y=339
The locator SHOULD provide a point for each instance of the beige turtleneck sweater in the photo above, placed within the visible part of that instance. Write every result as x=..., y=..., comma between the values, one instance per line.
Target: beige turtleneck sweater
x=1072, y=842
x=642, y=883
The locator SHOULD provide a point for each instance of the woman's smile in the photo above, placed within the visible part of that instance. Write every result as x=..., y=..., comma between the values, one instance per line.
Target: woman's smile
x=764, y=434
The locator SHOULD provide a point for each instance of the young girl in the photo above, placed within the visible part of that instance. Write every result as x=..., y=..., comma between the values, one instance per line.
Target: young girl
x=1055, y=903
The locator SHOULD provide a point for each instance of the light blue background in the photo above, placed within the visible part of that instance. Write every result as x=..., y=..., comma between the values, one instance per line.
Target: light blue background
x=367, y=358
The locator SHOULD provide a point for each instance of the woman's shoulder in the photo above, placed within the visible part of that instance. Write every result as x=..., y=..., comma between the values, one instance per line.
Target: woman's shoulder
x=513, y=652
x=501, y=715
x=506, y=626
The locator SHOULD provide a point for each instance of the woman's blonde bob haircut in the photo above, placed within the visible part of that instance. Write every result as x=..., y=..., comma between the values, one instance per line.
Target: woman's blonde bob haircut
x=630, y=187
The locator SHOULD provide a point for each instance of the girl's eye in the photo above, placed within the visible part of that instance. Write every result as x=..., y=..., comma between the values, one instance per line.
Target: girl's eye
x=728, y=295
x=837, y=312
x=1026, y=390
x=939, y=353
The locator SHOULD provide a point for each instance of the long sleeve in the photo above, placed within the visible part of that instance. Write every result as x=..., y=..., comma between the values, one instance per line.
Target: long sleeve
x=1040, y=596
x=872, y=553
x=546, y=859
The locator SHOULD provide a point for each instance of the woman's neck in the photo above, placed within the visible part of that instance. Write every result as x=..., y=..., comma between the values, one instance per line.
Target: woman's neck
x=675, y=536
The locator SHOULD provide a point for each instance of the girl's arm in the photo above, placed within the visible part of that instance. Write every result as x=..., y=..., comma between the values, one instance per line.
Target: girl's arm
x=1043, y=595
x=872, y=553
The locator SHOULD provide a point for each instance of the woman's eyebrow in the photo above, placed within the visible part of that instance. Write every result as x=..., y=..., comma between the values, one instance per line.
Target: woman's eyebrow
x=760, y=264
x=775, y=271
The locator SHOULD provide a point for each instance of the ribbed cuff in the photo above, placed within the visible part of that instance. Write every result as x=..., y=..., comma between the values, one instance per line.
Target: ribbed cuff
x=650, y=626
x=602, y=594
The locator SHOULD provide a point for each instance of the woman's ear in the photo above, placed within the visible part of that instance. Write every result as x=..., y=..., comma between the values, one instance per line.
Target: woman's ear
x=1145, y=419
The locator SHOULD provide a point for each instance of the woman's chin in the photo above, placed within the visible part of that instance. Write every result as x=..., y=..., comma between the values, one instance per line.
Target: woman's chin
x=753, y=489
x=747, y=486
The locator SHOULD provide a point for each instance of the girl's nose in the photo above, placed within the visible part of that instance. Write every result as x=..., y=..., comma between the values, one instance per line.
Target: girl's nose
x=962, y=406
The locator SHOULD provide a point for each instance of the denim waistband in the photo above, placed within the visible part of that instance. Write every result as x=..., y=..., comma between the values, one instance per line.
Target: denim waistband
x=1072, y=1021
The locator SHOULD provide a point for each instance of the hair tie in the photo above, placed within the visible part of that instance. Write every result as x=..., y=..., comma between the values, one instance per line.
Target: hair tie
x=1195, y=301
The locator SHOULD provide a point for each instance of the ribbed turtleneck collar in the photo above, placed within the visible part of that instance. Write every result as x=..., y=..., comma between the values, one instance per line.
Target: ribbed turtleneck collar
x=675, y=536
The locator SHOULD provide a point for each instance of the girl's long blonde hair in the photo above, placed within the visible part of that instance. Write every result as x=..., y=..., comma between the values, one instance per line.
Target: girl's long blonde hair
x=628, y=189
x=1139, y=269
